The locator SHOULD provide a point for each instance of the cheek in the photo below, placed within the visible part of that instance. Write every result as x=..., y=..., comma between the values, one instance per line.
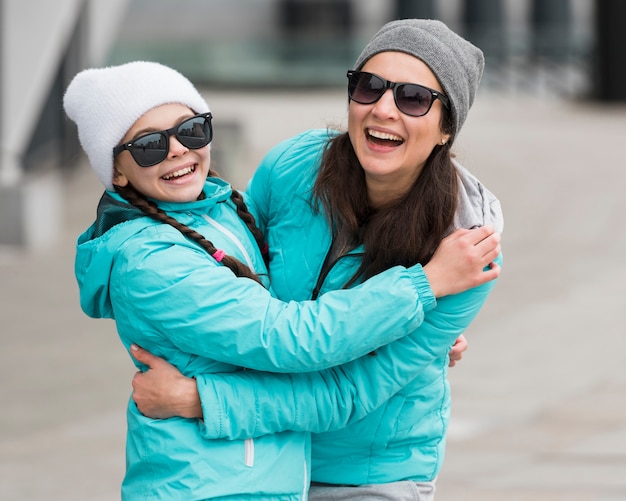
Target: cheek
x=427, y=132
x=204, y=155
x=357, y=112
x=356, y=116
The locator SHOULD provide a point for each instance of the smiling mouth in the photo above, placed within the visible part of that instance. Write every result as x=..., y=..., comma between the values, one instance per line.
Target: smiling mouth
x=179, y=173
x=383, y=138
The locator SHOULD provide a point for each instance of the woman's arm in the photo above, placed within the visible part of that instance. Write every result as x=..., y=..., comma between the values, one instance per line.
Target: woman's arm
x=249, y=403
x=162, y=391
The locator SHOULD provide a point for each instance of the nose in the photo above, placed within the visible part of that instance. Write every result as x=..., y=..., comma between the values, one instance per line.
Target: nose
x=176, y=147
x=386, y=107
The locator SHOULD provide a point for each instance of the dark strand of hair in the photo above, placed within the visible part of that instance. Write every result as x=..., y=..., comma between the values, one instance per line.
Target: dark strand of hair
x=150, y=209
x=404, y=232
x=245, y=215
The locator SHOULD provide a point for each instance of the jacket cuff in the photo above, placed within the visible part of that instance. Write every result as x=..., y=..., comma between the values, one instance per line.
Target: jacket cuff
x=211, y=427
x=422, y=286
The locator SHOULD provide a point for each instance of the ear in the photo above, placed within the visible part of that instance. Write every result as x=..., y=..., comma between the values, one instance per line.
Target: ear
x=119, y=179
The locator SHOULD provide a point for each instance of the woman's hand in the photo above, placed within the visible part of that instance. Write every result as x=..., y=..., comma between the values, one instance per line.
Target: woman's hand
x=463, y=260
x=162, y=391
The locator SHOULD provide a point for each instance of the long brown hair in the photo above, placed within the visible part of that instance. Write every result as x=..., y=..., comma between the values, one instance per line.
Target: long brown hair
x=150, y=209
x=404, y=232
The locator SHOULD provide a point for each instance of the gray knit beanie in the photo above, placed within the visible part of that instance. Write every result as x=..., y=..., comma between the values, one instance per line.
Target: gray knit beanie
x=457, y=64
x=105, y=103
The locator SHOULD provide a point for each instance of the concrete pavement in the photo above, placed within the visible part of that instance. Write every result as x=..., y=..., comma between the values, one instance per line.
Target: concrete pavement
x=539, y=402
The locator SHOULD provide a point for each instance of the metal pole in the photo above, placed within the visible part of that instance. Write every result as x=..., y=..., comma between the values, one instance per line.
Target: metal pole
x=415, y=9
x=484, y=22
x=551, y=24
x=608, y=61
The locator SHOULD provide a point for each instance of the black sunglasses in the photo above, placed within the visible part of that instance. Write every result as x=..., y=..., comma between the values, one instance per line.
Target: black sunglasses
x=411, y=99
x=151, y=149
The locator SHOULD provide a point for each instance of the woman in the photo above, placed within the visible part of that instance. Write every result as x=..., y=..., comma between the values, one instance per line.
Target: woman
x=173, y=257
x=341, y=208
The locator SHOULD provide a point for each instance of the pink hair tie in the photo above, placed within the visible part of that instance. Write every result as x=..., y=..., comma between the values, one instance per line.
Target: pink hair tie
x=218, y=255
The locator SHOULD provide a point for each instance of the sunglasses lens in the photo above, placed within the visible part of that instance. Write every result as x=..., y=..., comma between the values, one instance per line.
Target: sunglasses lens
x=413, y=100
x=195, y=133
x=365, y=88
x=149, y=149
x=153, y=148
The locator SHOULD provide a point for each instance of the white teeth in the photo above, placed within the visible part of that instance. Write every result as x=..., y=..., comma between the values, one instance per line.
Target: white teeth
x=383, y=135
x=179, y=173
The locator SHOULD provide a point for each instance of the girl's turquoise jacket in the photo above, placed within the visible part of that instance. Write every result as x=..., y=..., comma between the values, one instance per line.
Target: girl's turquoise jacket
x=169, y=296
x=405, y=437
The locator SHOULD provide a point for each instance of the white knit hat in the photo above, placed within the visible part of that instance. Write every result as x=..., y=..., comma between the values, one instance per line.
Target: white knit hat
x=105, y=103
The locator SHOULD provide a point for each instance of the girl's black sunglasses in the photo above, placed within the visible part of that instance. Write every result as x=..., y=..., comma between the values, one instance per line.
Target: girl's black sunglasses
x=411, y=99
x=151, y=149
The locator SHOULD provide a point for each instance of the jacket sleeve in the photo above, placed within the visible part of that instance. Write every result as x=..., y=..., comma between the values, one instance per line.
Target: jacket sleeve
x=250, y=404
x=181, y=297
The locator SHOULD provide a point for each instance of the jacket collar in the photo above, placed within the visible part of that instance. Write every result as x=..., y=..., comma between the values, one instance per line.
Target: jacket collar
x=113, y=209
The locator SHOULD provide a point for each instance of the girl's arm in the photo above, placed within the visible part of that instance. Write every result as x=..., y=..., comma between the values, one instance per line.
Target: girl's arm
x=202, y=309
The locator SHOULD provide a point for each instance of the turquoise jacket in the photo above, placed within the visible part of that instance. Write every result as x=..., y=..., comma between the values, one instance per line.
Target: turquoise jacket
x=404, y=438
x=167, y=295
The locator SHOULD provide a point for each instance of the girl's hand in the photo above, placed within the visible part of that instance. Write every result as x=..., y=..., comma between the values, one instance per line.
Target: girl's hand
x=456, y=352
x=162, y=391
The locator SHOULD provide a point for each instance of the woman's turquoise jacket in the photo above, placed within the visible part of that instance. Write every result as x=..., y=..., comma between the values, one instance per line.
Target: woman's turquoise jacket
x=405, y=437
x=169, y=296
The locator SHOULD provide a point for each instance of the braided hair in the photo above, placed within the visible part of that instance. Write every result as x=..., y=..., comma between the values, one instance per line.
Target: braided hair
x=150, y=209
x=245, y=215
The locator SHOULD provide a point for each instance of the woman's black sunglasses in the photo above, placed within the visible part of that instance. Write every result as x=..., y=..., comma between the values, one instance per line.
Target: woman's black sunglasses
x=412, y=99
x=151, y=149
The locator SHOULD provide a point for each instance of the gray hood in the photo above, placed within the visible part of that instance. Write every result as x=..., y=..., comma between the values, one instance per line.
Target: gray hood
x=477, y=205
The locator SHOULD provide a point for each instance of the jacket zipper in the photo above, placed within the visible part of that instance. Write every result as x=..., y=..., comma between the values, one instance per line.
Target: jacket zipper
x=305, y=488
x=248, y=443
x=232, y=237
x=327, y=266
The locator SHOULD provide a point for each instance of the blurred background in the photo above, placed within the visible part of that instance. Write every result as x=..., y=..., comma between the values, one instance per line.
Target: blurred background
x=539, y=402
